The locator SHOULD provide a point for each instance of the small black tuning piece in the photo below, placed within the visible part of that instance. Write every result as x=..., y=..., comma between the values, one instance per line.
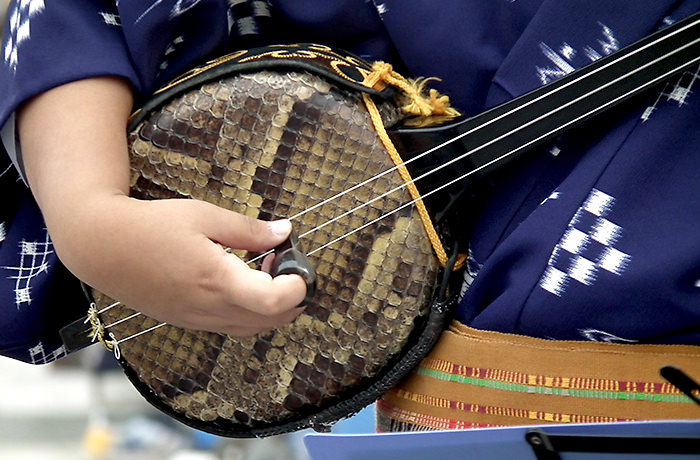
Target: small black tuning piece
x=290, y=259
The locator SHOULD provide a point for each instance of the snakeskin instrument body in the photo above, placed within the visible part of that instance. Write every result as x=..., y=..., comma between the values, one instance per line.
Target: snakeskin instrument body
x=281, y=144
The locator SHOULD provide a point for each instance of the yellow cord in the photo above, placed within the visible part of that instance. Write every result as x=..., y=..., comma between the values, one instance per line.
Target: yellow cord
x=427, y=110
x=97, y=328
x=431, y=109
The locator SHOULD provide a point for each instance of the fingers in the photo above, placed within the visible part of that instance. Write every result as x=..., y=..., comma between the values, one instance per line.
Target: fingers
x=258, y=292
x=251, y=301
x=274, y=300
x=267, y=261
x=196, y=285
x=237, y=231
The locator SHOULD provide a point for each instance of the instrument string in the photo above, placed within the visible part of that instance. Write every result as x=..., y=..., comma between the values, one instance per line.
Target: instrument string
x=512, y=111
x=485, y=145
x=115, y=342
x=475, y=170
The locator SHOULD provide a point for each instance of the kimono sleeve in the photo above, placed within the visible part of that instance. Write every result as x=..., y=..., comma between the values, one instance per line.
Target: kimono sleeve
x=45, y=44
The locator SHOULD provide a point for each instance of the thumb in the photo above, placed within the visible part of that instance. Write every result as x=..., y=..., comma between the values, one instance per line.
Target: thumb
x=238, y=231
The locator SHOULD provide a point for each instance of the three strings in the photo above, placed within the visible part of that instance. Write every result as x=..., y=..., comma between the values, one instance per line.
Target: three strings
x=114, y=342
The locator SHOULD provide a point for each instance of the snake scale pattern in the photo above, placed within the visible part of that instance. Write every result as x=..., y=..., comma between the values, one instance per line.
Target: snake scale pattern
x=272, y=144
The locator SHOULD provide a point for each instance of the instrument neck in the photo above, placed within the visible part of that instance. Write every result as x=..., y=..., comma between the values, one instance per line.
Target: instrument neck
x=493, y=138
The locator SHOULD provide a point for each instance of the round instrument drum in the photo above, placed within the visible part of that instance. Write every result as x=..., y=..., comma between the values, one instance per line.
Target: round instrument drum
x=274, y=133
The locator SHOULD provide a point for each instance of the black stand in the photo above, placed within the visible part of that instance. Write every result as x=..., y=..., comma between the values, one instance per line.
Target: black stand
x=548, y=446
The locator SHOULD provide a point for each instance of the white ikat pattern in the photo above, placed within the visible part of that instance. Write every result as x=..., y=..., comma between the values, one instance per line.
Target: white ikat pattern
x=39, y=355
x=33, y=257
x=676, y=91
x=586, y=248
x=20, y=28
x=561, y=57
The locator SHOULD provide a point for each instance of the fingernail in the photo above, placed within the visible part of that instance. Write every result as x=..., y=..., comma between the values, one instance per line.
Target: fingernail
x=280, y=227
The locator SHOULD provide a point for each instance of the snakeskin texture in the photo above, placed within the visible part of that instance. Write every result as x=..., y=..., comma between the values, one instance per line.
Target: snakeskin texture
x=272, y=145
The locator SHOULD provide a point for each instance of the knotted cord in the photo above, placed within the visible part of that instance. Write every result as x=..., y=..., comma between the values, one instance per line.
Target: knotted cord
x=426, y=110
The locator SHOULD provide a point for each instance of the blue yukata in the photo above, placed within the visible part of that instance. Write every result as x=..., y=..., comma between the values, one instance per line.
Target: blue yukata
x=594, y=237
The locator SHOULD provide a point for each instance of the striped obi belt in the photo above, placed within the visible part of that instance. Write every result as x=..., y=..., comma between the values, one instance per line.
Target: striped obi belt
x=474, y=379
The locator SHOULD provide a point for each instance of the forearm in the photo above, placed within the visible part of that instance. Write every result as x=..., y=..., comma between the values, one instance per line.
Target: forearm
x=74, y=147
x=161, y=257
